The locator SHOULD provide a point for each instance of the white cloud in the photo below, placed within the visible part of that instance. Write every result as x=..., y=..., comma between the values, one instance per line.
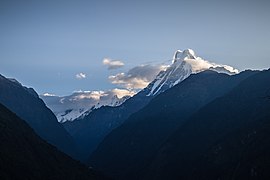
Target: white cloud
x=95, y=96
x=80, y=75
x=138, y=77
x=48, y=94
x=200, y=64
x=112, y=64
x=123, y=92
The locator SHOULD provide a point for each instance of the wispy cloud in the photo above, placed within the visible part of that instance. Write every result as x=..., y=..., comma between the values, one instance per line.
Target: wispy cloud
x=200, y=64
x=137, y=77
x=80, y=75
x=49, y=94
x=122, y=92
x=112, y=64
x=100, y=95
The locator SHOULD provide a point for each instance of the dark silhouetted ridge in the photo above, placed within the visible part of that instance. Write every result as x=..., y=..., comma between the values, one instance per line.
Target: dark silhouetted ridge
x=25, y=156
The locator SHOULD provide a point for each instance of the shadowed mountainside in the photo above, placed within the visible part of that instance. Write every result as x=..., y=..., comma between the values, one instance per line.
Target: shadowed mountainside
x=29, y=107
x=227, y=139
x=25, y=156
x=129, y=149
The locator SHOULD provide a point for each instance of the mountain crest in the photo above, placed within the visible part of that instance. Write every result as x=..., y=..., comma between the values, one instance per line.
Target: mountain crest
x=183, y=55
x=175, y=73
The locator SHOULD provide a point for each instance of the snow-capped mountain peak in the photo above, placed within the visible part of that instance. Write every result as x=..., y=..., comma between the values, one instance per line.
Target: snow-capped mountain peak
x=183, y=64
x=183, y=55
x=175, y=73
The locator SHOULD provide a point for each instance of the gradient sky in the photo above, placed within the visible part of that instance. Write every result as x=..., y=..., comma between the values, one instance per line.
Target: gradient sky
x=45, y=43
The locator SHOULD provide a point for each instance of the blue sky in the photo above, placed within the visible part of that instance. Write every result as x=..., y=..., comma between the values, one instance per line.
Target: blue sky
x=44, y=44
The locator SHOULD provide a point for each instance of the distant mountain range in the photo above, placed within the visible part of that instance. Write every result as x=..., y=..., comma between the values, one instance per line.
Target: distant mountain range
x=81, y=103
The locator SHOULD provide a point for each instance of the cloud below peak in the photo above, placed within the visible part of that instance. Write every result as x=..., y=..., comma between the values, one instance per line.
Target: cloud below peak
x=112, y=64
x=200, y=64
x=48, y=95
x=138, y=77
x=99, y=95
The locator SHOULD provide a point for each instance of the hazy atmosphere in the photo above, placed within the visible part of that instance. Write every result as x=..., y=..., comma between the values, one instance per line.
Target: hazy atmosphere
x=61, y=46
